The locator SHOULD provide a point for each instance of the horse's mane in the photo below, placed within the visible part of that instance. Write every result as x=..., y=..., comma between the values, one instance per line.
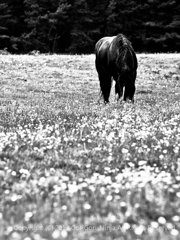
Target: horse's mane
x=121, y=40
x=124, y=52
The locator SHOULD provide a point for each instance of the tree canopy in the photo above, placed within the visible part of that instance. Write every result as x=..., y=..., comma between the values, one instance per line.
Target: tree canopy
x=74, y=26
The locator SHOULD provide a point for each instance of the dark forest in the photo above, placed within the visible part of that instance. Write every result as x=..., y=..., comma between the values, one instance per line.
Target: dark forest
x=74, y=26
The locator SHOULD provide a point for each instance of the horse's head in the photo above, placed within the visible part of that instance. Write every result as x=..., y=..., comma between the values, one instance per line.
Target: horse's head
x=126, y=79
x=129, y=83
x=126, y=65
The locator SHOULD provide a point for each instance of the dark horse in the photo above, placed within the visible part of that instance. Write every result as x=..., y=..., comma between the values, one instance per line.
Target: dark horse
x=115, y=57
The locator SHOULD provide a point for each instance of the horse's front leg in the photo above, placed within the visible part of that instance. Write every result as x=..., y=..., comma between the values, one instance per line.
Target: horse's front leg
x=118, y=89
x=130, y=87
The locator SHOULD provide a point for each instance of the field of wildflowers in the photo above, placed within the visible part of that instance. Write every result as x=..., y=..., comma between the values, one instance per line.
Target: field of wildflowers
x=73, y=169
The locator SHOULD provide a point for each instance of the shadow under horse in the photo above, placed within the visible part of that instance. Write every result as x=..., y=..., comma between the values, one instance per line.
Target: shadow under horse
x=115, y=57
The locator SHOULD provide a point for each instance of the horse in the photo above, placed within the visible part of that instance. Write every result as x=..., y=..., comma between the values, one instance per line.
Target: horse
x=115, y=57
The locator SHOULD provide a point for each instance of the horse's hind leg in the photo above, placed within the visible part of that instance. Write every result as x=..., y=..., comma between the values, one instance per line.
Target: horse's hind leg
x=105, y=85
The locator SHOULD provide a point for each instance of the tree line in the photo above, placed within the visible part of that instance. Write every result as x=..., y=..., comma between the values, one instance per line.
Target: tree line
x=74, y=26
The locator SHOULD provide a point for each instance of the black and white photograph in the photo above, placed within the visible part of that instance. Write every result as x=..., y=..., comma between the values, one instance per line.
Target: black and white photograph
x=89, y=120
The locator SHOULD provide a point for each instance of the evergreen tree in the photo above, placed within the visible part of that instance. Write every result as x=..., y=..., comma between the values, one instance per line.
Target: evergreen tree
x=36, y=18
x=76, y=25
x=80, y=40
x=12, y=24
x=60, y=22
x=5, y=15
x=47, y=25
x=112, y=19
x=163, y=30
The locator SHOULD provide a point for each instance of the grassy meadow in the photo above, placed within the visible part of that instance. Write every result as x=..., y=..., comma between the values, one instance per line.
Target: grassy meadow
x=74, y=169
